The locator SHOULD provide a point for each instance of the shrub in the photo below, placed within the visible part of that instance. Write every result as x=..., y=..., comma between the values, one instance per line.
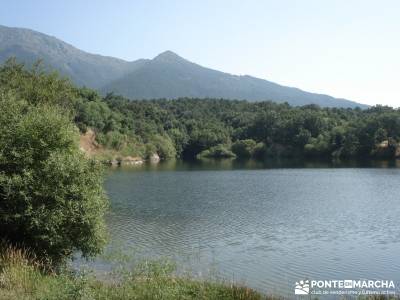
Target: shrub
x=163, y=146
x=244, y=148
x=219, y=151
x=318, y=146
x=51, y=196
x=112, y=140
x=37, y=86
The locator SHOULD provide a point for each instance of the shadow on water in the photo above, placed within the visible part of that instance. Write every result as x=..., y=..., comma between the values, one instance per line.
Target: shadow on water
x=251, y=164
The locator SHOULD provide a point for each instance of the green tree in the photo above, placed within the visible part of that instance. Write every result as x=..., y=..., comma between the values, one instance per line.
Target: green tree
x=218, y=151
x=244, y=148
x=163, y=146
x=51, y=196
x=37, y=86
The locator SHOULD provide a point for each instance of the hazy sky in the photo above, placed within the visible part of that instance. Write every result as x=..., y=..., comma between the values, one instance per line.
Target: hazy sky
x=345, y=48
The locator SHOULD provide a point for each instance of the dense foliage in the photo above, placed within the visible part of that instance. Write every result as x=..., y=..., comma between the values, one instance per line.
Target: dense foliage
x=188, y=127
x=214, y=127
x=51, y=196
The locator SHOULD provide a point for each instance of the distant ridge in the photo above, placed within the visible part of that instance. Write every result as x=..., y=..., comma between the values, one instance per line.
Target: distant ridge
x=166, y=76
x=83, y=68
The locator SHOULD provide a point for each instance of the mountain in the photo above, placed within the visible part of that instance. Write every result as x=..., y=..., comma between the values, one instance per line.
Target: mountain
x=83, y=68
x=170, y=76
x=166, y=76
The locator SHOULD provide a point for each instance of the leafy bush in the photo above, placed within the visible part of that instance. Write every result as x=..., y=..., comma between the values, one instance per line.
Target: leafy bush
x=180, y=138
x=163, y=146
x=219, y=151
x=205, y=138
x=112, y=139
x=51, y=196
x=37, y=86
x=318, y=146
x=244, y=148
x=97, y=114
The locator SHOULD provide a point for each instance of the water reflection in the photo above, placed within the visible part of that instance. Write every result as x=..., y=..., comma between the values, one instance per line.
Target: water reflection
x=235, y=164
x=267, y=223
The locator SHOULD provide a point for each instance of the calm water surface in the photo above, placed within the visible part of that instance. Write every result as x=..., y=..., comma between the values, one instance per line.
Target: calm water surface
x=261, y=224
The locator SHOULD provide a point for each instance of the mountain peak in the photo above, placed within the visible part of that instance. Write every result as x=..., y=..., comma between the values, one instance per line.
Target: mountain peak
x=168, y=56
x=166, y=76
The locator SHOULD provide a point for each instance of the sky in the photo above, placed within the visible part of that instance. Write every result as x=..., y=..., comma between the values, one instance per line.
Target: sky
x=344, y=48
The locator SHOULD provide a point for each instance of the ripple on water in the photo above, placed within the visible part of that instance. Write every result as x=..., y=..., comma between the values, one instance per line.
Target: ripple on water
x=267, y=228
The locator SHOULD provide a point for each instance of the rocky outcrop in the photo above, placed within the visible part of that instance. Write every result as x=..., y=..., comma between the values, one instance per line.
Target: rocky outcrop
x=397, y=152
x=88, y=144
x=154, y=158
x=387, y=149
x=131, y=161
x=114, y=163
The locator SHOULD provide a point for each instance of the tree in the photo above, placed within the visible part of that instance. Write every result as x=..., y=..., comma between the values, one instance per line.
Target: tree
x=164, y=146
x=218, y=151
x=51, y=196
x=37, y=86
x=244, y=148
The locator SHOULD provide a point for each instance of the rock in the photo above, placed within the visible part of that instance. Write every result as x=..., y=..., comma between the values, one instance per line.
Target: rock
x=88, y=144
x=129, y=160
x=114, y=162
x=154, y=158
x=387, y=149
x=397, y=152
x=383, y=144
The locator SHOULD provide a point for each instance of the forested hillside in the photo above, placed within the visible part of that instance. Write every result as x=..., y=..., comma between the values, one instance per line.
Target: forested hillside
x=212, y=127
x=215, y=127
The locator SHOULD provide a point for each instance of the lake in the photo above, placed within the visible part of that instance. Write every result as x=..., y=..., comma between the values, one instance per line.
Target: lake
x=263, y=224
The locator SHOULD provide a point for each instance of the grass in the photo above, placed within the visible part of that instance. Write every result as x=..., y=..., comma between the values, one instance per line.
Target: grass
x=22, y=277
